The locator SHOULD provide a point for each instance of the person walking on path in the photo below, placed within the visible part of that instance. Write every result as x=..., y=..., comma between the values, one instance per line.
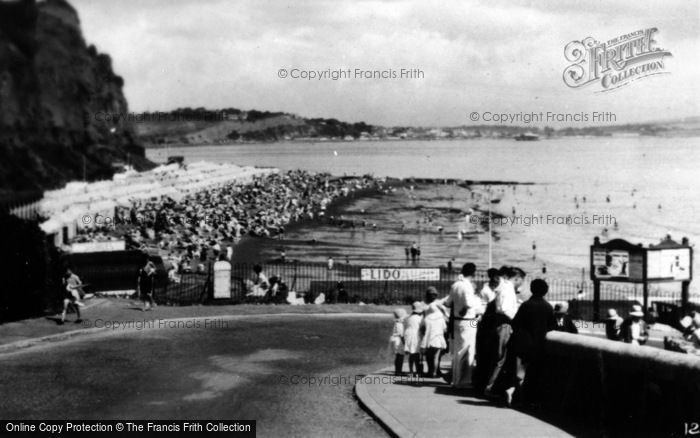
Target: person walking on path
x=145, y=285
x=73, y=286
x=465, y=308
x=71, y=299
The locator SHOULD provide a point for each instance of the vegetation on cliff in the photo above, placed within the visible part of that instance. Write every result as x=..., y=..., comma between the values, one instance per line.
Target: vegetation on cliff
x=52, y=84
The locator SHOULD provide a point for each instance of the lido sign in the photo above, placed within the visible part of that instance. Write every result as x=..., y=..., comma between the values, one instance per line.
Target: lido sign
x=399, y=274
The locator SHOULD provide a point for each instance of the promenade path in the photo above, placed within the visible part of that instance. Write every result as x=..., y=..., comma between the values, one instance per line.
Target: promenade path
x=432, y=408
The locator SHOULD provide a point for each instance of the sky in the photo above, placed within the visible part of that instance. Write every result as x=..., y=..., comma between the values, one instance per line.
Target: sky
x=489, y=56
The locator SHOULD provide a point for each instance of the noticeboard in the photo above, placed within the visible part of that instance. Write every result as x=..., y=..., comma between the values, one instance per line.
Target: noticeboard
x=619, y=260
x=672, y=264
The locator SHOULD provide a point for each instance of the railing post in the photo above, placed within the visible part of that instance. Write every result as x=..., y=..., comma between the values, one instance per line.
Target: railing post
x=596, y=300
x=685, y=298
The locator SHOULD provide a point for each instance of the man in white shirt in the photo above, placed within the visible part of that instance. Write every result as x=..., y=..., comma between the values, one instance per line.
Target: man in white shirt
x=506, y=308
x=466, y=307
x=488, y=291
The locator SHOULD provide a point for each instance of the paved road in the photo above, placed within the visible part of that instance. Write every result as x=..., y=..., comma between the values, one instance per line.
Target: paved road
x=293, y=374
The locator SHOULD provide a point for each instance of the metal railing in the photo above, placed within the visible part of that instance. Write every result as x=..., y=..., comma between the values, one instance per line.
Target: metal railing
x=344, y=283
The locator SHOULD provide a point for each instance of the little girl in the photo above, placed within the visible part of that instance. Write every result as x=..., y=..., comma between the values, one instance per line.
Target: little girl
x=435, y=324
x=396, y=340
x=412, y=338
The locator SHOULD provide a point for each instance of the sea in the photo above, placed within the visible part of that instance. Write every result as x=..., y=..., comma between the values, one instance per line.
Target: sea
x=570, y=190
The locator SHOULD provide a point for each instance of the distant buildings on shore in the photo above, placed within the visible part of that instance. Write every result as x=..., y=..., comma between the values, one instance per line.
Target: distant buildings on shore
x=231, y=126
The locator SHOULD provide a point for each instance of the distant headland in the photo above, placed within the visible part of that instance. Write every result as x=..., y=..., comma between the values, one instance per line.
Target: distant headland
x=200, y=126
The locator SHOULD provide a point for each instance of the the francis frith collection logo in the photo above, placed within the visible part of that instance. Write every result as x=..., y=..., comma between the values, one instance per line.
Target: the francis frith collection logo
x=616, y=62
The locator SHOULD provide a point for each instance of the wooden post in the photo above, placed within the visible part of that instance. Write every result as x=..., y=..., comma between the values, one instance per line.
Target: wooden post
x=596, y=300
x=685, y=298
x=645, y=283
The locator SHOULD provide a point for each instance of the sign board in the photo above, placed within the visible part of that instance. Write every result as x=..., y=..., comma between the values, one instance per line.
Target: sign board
x=617, y=264
x=619, y=260
x=107, y=245
x=222, y=279
x=669, y=264
x=609, y=263
x=399, y=274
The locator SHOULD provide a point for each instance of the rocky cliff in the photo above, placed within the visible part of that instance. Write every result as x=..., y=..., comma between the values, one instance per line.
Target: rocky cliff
x=52, y=88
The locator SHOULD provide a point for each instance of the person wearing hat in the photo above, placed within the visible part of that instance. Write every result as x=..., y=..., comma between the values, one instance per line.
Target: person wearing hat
x=634, y=329
x=396, y=340
x=412, y=339
x=612, y=325
x=563, y=322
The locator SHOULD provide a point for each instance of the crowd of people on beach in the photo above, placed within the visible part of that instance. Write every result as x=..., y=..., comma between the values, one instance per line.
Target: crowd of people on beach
x=215, y=219
x=496, y=340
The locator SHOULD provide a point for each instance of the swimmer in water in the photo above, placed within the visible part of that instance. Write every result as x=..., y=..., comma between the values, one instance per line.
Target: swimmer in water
x=607, y=198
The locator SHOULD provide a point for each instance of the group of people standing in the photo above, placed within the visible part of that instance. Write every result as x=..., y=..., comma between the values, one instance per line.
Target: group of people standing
x=496, y=340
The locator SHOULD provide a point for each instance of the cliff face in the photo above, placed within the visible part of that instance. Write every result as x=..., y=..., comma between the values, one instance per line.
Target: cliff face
x=52, y=88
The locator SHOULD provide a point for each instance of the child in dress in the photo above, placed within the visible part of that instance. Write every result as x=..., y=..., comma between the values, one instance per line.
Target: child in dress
x=396, y=340
x=412, y=339
x=435, y=325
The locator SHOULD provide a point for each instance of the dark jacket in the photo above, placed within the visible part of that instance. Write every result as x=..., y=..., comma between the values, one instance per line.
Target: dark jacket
x=146, y=281
x=534, y=319
x=612, y=328
x=626, y=331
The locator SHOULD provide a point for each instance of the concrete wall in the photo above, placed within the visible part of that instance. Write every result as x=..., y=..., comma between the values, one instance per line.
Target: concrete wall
x=619, y=389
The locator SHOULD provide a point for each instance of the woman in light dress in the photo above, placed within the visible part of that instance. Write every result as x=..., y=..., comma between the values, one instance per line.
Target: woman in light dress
x=412, y=336
x=396, y=340
x=435, y=324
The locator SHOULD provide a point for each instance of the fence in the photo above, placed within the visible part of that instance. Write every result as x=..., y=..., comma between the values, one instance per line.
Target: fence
x=344, y=283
